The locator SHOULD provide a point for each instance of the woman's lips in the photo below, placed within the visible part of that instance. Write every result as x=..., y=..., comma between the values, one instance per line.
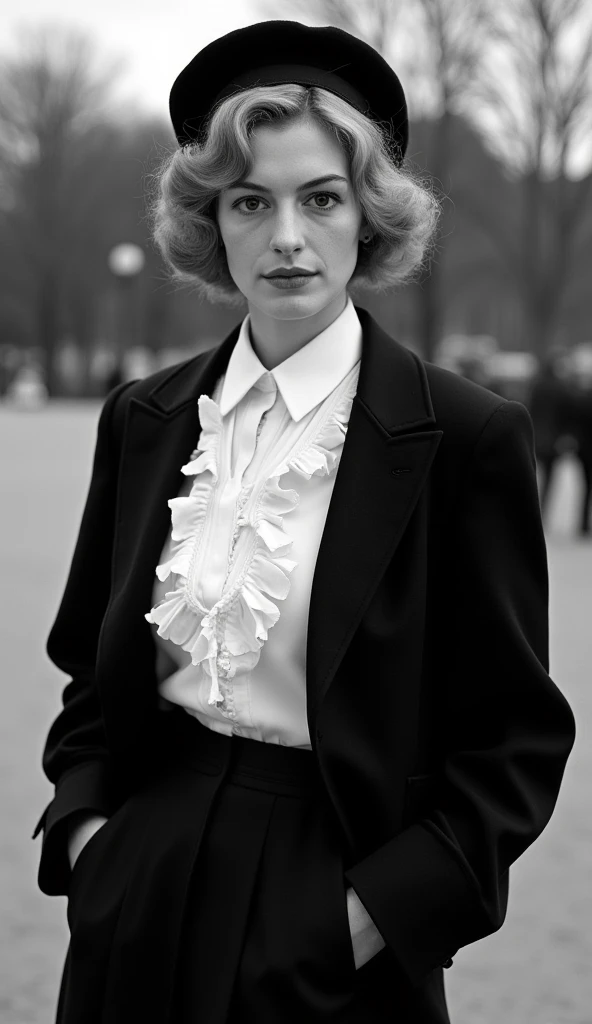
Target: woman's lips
x=284, y=282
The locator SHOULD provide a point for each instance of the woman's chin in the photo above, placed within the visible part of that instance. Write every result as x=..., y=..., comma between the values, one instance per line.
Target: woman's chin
x=291, y=305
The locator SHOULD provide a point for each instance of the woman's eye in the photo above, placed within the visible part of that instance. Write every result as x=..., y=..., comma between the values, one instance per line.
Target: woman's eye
x=249, y=199
x=328, y=201
x=320, y=201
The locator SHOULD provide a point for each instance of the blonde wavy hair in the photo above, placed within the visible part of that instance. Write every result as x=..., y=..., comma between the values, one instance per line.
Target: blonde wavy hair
x=399, y=206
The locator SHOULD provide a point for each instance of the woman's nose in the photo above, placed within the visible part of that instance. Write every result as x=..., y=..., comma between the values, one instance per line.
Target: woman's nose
x=286, y=235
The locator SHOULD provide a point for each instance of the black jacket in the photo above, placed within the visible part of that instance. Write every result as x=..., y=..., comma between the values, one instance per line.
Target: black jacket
x=440, y=737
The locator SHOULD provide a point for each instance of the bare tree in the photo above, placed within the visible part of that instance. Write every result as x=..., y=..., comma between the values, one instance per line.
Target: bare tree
x=51, y=100
x=372, y=20
x=534, y=106
x=451, y=37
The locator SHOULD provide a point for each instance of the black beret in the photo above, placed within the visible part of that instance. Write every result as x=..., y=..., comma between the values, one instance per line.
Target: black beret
x=273, y=52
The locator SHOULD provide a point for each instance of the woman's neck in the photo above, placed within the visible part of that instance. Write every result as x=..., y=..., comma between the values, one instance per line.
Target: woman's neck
x=275, y=340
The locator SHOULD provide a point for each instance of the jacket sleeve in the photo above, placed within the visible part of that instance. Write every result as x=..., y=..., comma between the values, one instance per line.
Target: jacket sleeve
x=442, y=882
x=75, y=757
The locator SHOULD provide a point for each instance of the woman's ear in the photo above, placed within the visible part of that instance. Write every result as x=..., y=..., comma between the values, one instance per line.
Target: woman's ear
x=365, y=234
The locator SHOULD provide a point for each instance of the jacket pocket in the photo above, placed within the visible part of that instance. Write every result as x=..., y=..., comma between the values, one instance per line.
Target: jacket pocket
x=86, y=846
x=41, y=823
x=421, y=792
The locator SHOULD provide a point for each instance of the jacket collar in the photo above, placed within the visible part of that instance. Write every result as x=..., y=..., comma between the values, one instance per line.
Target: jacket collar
x=392, y=388
x=304, y=379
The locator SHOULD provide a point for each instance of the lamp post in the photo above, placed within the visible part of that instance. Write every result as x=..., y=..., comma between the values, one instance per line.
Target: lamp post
x=126, y=261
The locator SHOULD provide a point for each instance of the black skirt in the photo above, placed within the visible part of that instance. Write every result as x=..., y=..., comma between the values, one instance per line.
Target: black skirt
x=216, y=895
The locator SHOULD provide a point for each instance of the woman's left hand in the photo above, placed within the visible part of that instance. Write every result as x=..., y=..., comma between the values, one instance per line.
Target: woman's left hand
x=366, y=939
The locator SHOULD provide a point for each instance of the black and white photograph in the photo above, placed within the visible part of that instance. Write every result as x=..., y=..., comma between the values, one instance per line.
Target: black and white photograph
x=296, y=507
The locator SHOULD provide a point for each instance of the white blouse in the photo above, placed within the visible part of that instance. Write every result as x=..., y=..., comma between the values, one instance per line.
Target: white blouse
x=233, y=585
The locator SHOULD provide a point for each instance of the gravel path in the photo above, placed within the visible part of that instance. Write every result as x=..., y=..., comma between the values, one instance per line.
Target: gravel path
x=536, y=970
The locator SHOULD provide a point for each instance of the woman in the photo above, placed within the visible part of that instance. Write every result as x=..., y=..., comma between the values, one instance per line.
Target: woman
x=310, y=723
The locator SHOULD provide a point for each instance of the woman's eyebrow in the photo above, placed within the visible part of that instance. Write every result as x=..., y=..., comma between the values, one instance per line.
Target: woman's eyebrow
x=300, y=188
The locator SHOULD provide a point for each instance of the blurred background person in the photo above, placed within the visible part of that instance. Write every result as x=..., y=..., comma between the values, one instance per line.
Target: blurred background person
x=547, y=404
x=578, y=424
x=114, y=378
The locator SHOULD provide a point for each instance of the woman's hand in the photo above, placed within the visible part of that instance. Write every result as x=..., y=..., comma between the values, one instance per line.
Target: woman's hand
x=80, y=829
x=366, y=939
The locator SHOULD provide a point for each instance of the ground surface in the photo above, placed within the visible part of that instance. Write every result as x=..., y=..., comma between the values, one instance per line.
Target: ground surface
x=536, y=970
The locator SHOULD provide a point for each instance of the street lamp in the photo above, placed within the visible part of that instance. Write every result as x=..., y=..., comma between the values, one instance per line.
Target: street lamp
x=126, y=261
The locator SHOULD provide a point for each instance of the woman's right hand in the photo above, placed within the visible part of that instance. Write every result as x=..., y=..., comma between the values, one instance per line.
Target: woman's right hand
x=80, y=829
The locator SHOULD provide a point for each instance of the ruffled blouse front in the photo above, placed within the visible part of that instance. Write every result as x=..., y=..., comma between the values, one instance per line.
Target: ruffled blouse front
x=229, y=563
x=227, y=637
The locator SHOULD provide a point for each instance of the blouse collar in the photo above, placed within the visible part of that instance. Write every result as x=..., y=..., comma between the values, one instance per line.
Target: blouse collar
x=308, y=376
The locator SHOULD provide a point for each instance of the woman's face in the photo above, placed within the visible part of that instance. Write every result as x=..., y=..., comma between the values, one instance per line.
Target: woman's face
x=297, y=210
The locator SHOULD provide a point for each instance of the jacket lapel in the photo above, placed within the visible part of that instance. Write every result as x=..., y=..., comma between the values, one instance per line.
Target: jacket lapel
x=385, y=461
x=160, y=434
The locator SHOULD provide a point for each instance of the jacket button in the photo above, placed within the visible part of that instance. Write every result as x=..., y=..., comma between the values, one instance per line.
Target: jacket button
x=319, y=735
x=448, y=963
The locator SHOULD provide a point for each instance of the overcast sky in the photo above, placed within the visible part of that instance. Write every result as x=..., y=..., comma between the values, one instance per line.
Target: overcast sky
x=157, y=38
x=154, y=38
